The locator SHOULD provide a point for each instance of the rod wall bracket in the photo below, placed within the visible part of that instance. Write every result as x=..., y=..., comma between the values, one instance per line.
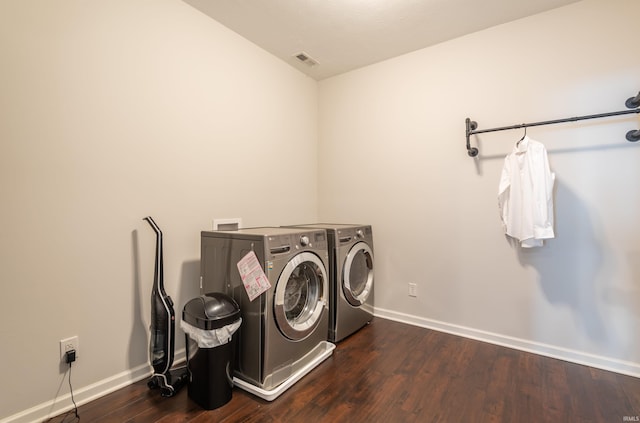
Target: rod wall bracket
x=471, y=126
x=633, y=136
x=633, y=102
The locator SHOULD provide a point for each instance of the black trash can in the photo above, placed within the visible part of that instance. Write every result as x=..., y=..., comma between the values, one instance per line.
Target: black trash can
x=209, y=322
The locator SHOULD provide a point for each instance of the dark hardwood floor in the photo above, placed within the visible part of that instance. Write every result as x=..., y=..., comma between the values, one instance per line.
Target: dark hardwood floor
x=392, y=372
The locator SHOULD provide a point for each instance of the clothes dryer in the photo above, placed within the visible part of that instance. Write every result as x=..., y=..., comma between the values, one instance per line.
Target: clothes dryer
x=283, y=331
x=351, y=277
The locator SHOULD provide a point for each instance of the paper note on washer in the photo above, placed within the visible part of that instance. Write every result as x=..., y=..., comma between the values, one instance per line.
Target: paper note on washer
x=253, y=278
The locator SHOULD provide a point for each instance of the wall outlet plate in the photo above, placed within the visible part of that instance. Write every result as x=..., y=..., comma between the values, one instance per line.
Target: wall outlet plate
x=69, y=344
x=413, y=290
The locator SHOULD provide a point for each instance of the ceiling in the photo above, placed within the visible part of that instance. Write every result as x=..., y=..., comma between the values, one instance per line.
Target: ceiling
x=342, y=35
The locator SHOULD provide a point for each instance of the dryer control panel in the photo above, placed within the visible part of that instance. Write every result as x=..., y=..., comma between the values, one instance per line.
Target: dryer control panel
x=308, y=240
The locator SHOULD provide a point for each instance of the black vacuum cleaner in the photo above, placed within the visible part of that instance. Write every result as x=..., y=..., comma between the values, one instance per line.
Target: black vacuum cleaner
x=163, y=321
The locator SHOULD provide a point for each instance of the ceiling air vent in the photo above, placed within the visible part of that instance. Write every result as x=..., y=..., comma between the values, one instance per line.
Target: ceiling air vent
x=303, y=57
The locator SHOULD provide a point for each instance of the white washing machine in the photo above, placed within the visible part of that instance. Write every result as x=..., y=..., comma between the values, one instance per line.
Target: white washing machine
x=350, y=275
x=283, y=332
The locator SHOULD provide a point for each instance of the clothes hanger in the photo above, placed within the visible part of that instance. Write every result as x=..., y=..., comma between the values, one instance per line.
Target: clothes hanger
x=523, y=137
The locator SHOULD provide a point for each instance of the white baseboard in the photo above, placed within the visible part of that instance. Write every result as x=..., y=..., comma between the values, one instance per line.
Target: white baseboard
x=101, y=388
x=86, y=394
x=573, y=356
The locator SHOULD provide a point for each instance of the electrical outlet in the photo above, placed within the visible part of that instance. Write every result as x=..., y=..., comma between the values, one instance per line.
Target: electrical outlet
x=413, y=290
x=69, y=344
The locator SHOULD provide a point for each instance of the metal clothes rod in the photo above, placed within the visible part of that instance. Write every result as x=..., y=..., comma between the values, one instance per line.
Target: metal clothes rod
x=631, y=103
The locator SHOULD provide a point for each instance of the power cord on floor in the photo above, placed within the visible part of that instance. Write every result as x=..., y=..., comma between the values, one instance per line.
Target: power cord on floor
x=75, y=406
x=70, y=357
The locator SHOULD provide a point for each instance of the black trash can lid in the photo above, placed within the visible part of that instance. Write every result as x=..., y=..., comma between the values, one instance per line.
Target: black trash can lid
x=211, y=311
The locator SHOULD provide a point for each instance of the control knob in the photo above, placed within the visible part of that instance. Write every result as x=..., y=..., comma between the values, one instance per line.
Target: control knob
x=304, y=240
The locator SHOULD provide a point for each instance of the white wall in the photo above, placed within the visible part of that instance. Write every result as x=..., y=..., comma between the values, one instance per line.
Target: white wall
x=111, y=111
x=392, y=154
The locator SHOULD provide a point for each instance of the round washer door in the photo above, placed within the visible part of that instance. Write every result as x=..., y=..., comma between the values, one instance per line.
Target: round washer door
x=300, y=296
x=357, y=276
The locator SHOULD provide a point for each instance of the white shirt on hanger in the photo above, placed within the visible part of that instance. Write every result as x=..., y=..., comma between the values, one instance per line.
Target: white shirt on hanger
x=525, y=194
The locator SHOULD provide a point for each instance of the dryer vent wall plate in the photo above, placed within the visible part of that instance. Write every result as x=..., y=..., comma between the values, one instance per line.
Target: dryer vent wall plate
x=229, y=224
